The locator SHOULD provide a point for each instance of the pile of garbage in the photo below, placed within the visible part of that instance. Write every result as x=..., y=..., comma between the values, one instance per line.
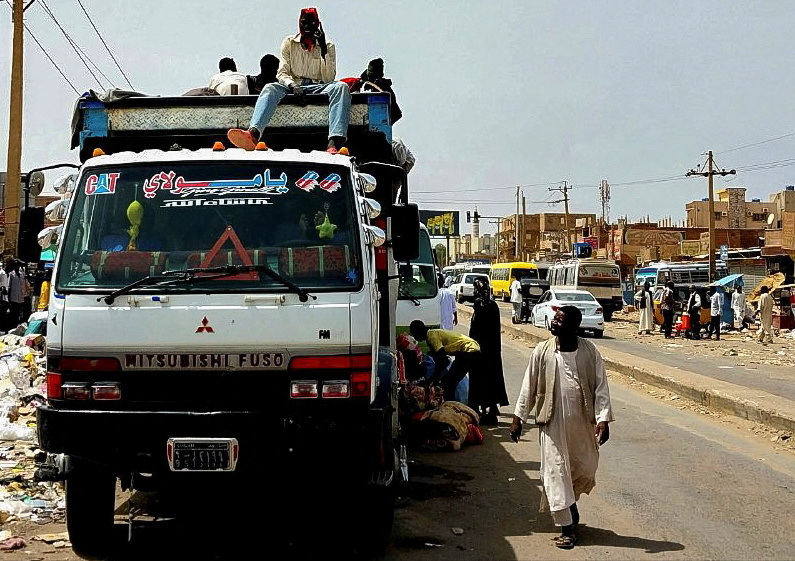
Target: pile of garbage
x=22, y=387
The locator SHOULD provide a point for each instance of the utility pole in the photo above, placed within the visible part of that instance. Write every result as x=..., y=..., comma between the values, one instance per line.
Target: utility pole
x=516, y=226
x=524, y=232
x=565, y=190
x=710, y=173
x=14, y=160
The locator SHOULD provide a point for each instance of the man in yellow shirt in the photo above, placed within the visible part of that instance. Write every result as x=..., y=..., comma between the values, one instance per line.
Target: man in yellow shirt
x=443, y=343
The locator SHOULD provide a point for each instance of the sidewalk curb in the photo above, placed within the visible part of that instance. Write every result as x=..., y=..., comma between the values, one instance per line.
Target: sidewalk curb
x=779, y=418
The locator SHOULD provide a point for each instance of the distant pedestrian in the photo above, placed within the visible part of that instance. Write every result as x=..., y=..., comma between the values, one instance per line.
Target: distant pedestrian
x=449, y=310
x=516, y=298
x=443, y=343
x=16, y=292
x=765, y=311
x=487, y=383
x=738, y=307
x=715, y=312
x=694, y=312
x=645, y=302
x=566, y=386
x=229, y=81
x=668, y=306
x=3, y=299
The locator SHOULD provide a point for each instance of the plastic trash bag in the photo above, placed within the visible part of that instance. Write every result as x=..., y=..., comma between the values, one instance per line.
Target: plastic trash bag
x=462, y=390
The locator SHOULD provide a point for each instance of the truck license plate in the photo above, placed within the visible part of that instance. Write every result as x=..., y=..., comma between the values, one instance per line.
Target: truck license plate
x=202, y=454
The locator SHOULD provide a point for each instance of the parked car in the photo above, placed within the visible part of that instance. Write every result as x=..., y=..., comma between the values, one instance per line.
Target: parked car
x=592, y=313
x=463, y=286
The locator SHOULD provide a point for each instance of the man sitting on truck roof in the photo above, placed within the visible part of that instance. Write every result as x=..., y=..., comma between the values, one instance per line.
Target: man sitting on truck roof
x=229, y=81
x=308, y=66
x=268, y=66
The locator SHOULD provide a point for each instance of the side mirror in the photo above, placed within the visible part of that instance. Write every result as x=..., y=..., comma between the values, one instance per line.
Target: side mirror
x=65, y=183
x=371, y=207
x=36, y=183
x=367, y=182
x=374, y=235
x=405, y=231
x=56, y=210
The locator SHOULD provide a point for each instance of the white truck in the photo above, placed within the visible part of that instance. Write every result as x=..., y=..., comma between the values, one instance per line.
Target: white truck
x=217, y=313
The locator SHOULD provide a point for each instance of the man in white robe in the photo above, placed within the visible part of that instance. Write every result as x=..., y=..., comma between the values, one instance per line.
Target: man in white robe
x=566, y=385
x=645, y=303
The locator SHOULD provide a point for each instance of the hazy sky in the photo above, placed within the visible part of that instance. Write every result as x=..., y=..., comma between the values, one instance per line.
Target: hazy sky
x=494, y=94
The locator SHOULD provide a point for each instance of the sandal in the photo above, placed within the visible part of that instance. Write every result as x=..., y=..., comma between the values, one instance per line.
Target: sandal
x=565, y=542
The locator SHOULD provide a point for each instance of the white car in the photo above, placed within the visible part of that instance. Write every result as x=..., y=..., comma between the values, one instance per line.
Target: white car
x=463, y=287
x=592, y=313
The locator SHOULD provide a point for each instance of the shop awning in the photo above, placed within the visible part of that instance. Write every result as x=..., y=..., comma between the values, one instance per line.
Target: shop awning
x=730, y=280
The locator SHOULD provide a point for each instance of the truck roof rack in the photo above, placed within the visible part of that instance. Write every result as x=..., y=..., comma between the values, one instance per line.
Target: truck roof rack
x=151, y=122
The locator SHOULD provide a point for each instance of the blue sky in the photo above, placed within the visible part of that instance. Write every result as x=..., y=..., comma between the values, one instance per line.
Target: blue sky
x=494, y=94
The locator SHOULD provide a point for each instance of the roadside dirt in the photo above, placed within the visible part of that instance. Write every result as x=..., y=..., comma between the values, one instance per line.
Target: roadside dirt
x=741, y=347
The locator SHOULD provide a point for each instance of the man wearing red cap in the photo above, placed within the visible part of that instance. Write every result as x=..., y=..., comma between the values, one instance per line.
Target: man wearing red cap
x=308, y=66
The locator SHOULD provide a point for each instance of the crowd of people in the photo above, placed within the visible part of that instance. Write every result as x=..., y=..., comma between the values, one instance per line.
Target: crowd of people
x=693, y=327
x=15, y=294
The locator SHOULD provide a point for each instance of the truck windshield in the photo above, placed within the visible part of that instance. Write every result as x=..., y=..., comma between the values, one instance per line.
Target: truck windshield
x=130, y=222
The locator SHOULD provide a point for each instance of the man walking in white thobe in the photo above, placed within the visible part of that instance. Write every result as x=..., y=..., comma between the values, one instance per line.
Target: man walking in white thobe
x=765, y=311
x=565, y=384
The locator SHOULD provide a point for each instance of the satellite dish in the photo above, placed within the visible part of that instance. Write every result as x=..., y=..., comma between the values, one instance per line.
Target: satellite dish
x=770, y=218
x=36, y=183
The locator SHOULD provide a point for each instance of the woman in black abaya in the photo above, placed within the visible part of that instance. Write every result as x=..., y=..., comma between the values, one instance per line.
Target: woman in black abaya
x=486, y=383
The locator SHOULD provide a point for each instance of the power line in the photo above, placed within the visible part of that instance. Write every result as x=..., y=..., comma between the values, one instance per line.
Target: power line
x=51, y=60
x=493, y=188
x=760, y=143
x=104, y=43
x=78, y=51
x=44, y=50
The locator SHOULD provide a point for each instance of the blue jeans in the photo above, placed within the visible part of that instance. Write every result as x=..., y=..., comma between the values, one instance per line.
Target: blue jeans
x=338, y=112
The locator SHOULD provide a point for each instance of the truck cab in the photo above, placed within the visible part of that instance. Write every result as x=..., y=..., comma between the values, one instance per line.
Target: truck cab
x=215, y=310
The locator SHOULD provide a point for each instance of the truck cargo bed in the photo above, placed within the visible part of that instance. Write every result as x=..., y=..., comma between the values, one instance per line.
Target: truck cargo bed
x=147, y=122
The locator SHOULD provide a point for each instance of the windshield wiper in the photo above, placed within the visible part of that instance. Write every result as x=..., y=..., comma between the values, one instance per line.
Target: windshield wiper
x=407, y=295
x=201, y=274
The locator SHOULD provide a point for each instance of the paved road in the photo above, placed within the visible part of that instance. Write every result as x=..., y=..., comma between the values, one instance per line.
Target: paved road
x=672, y=484
x=776, y=380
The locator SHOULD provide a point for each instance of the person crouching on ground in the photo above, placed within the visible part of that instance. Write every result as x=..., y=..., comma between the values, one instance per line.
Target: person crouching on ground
x=566, y=386
x=308, y=66
x=443, y=343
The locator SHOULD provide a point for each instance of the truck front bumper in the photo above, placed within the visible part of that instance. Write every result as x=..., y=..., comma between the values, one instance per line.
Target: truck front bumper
x=135, y=441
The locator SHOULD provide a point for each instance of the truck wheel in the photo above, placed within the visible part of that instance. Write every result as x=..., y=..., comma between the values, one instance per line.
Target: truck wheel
x=90, y=504
x=608, y=315
x=598, y=333
x=378, y=519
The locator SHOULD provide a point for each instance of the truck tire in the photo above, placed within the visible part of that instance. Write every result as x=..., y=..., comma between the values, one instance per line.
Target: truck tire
x=608, y=315
x=90, y=506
